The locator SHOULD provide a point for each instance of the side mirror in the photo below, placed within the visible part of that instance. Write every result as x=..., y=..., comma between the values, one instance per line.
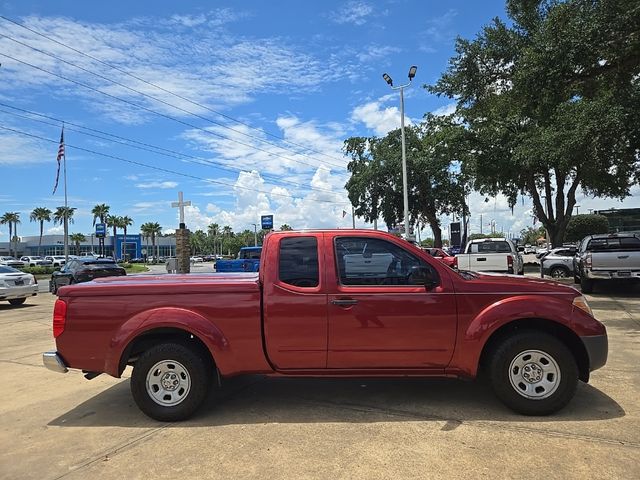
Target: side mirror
x=423, y=276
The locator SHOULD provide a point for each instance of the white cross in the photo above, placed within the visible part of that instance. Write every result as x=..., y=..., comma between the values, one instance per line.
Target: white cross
x=181, y=204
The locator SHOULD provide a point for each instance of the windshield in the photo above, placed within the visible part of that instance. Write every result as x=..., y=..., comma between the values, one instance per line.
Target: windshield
x=4, y=269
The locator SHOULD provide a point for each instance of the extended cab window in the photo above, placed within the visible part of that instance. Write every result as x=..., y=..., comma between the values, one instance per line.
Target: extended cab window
x=490, y=247
x=299, y=261
x=371, y=261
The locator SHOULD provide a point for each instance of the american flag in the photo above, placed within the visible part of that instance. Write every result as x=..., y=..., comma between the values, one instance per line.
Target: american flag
x=60, y=155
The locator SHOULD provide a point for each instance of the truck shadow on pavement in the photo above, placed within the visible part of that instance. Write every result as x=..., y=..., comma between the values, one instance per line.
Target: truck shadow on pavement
x=261, y=400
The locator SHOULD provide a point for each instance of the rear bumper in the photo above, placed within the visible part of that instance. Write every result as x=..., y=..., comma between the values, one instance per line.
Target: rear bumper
x=612, y=274
x=18, y=292
x=597, y=347
x=54, y=362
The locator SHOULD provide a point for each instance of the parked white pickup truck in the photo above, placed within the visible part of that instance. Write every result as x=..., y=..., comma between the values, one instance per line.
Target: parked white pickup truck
x=491, y=255
x=607, y=257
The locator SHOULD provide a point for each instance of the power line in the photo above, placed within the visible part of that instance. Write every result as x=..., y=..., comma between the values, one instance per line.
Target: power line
x=142, y=107
x=169, y=92
x=149, y=147
x=161, y=169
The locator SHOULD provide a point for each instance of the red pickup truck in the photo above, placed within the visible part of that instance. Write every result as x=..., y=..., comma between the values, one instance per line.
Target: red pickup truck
x=329, y=303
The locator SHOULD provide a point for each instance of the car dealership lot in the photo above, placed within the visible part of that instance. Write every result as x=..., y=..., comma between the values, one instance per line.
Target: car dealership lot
x=63, y=426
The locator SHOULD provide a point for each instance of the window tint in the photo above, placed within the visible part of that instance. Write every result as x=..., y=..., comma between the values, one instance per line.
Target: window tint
x=253, y=254
x=371, y=261
x=490, y=247
x=630, y=243
x=299, y=261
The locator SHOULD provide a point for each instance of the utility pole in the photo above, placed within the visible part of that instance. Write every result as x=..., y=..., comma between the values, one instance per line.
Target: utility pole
x=255, y=234
x=480, y=224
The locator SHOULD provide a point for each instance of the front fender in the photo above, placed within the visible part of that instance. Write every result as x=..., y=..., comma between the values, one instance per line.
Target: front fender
x=165, y=317
x=477, y=332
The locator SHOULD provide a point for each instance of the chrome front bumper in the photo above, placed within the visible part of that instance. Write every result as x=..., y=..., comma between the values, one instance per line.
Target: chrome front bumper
x=54, y=362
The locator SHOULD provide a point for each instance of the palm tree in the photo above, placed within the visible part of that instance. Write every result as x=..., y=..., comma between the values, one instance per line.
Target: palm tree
x=77, y=238
x=12, y=219
x=151, y=229
x=124, y=223
x=100, y=211
x=40, y=214
x=227, y=231
x=113, y=221
x=214, y=230
x=285, y=227
x=59, y=216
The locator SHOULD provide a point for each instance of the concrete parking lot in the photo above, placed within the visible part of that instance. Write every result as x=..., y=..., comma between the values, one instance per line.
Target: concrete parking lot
x=63, y=426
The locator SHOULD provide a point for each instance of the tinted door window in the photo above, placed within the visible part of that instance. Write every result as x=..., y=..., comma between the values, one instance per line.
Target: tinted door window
x=371, y=261
x=630, y=244
x=299, y=261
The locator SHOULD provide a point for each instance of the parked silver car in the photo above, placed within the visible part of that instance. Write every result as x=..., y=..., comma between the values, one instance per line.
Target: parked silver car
x=16, y=286
x=558, y=263
x=35, y=261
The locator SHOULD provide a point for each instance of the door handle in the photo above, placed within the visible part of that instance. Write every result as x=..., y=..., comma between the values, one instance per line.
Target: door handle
x=482, y=259
x=344, y=302
x=622, y=257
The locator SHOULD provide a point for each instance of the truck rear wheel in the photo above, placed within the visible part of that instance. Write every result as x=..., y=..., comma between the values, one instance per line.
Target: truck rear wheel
x=533, y=373
x=170, y=382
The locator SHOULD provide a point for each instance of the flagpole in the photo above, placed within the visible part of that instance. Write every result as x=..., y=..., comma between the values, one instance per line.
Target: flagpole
x=66, y=206
x=353, y=216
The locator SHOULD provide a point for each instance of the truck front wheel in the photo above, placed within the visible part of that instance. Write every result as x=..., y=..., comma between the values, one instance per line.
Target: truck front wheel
x=533, y=373
x=170, y=382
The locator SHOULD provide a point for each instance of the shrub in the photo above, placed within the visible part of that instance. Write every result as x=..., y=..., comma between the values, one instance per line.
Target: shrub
x=39, y=270
x=582, y=225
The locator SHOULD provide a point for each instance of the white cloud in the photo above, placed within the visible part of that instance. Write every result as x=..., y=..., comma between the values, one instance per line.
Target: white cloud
x=17, y=149
x=354, y=12
x=378, y=118
x=55, y=230
x=162, y=185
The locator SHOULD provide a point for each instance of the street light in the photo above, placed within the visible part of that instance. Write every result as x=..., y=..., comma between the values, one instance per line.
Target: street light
x=255, y=234
x=389, y=80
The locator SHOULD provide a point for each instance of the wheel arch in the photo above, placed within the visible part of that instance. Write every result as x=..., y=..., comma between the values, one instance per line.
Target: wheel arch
x=564, y=334
x=156, y=336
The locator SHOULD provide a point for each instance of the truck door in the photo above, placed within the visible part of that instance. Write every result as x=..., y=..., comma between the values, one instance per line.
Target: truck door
x=386, y=317
x=295, y=304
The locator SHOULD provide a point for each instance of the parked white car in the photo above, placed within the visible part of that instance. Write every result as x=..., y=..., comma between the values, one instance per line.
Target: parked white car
x=34, y=261
x=16, y=286
x=56, y=260
x=491, y=255
x=11, y=262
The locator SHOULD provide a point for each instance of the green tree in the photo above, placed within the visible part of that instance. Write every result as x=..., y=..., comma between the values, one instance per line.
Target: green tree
x=113, y=221
x=285, y=227
x=435, y=185
x=530, y=235
x=125, y=222
x=41, y=215
x=551, y=103
x=64, y=216
x=198, y=242
x=151, y=230
x=12, y=219
x=77, y=238
x=213, y=231
x=582, y=225
x=100, y=212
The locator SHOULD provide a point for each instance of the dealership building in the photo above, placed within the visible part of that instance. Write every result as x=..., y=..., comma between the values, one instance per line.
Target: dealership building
x=135, y=246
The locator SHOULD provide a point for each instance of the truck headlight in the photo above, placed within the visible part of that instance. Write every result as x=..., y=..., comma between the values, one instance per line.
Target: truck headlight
x=581, y=303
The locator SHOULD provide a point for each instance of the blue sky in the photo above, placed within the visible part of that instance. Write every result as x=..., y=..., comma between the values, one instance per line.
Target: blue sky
x=254, y=101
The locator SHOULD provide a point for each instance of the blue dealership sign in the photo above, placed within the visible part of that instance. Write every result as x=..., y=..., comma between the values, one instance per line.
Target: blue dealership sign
x=267, y=222
x=101, y=230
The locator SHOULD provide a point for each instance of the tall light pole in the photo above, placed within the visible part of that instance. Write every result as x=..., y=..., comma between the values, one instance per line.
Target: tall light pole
x=255, y=234
x=387, y=78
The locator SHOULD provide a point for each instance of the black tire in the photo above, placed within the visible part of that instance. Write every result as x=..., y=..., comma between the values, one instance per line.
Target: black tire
x=504, y=364
x=559, y=272
x=17, y=301
x=197, y=368
x=586, y=285
x=576, y=279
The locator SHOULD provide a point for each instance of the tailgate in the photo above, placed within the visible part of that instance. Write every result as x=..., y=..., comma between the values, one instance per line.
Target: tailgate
x=615, y=261
x=483, y=262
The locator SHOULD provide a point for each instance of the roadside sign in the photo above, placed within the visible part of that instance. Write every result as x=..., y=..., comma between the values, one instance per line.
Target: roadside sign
x=101, y=230
x=267, y=222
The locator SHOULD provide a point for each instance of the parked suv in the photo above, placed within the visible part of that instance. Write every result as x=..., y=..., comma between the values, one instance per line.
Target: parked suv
x=607, y=257
x=558, y=263
x=57, y=260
